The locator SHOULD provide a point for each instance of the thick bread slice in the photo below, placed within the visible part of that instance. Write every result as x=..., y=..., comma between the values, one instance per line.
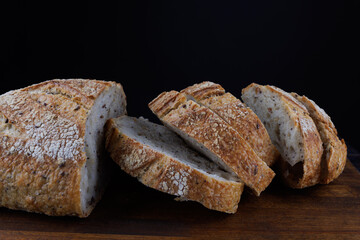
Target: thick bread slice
x=239, y=116
x=158, y=158
x=335, y=150
x=292, y=131
x=51, y=145
x=211, y=135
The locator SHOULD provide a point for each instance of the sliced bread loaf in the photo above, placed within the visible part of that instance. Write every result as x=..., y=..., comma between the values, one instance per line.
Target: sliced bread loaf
x=208, y=133
x=51, y=145
x=237, y=115
x=335, y=151
x=292, y=131
x=158, y=158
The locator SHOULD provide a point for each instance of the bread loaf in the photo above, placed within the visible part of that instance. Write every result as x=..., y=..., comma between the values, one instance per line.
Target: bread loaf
x=158, y=158
x=211, y=135
x=335, y=151
x=237, y=115
x=292, y=131
x=52, y=145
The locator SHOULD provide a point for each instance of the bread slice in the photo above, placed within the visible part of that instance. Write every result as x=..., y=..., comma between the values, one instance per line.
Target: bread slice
x=52, y=145
x=206, y=132
x=237, y=115
x=335, y=150
x=292, y=131
x=158, y=158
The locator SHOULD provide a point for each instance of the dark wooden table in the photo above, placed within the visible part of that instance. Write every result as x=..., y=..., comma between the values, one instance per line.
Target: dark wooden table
x=130, y=210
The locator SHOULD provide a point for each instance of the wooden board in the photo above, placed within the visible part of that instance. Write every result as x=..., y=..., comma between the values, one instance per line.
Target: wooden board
x=130, y=210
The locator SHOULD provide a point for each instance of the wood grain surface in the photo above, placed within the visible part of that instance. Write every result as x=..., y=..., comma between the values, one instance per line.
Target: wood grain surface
x=130, y=210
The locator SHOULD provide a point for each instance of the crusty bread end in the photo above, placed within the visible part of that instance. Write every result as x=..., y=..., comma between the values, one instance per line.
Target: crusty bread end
x=51, y=145
x=335, y=150
x=291, y=129
x=159, y=159
x=237, y=115
x=211, y=135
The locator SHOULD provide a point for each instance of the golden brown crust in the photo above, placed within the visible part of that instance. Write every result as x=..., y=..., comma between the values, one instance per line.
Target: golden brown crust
x=166, y=102
x=41, y=146
x=66, y=89
x=165, y=174
x=335, y=150
x=240, y=117
x=216, y=135
x=310, y=168
x=204, y=90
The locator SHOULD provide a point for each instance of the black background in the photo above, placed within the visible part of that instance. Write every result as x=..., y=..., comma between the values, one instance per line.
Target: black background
x=309, y=47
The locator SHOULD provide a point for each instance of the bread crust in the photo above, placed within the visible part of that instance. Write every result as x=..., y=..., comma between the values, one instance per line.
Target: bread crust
x=163, y=173
x=307, y=172
x=208, y=129
x=238, y=115
x=41, y=145
x=166, y=102
x=335, y=150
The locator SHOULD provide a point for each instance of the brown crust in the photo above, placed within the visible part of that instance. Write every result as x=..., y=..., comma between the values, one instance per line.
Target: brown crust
x=80, y=91
x=204, y=90
x=335, y=150
x=208, y=129
x=306, y=173
x=165, y=174
x=240, y=117
x=41, y=146
x=166, y=102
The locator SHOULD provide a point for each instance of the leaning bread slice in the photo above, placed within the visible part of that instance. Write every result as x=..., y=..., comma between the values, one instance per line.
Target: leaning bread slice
x=51, y=145
x=237, y=115
x=292, y=131
x=211, y=135
x=158, y=158
x=335, y=151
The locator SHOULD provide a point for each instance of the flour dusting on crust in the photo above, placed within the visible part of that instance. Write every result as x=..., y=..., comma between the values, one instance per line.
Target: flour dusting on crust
x=176, y=180
x=43, y=133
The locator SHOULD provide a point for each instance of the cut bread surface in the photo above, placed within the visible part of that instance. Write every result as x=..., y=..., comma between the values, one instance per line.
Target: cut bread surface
x=161, y=160
x=292, y=131
x=109, y=104
x=162, y=140
x=283, y=132
x=208, y=133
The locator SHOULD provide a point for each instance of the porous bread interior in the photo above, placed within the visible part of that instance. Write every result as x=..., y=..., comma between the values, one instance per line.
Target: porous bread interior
x=274, y=114
x=109, y=104
x=163, y=140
